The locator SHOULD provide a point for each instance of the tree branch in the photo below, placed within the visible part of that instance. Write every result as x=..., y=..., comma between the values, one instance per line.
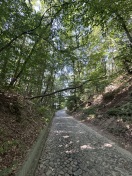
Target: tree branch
x=61, y=90
x=52, y=93
x=122, y=21
x=31, y=30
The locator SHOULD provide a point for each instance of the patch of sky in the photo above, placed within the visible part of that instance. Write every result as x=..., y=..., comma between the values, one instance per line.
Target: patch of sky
x=37, y=6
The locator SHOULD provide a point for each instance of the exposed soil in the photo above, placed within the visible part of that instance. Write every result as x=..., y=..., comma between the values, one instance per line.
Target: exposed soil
x=19, y=128
x=116, y=127
x=120, y=140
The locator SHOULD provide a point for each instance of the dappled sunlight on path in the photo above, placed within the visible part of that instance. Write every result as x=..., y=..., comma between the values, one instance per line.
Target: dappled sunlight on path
x=73, y=149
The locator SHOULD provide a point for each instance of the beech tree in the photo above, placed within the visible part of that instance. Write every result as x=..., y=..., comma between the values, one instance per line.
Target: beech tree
x=74, y=40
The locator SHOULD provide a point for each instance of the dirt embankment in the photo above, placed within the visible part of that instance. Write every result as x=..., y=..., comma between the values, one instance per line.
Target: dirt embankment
x=20, y=124
x=111, y=112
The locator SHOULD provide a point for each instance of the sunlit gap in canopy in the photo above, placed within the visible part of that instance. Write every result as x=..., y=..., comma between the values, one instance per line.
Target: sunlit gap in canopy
x=64, y=77
x=36, y=5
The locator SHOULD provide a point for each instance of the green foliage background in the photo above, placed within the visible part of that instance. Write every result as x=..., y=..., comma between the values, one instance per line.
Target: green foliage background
x=57, y=44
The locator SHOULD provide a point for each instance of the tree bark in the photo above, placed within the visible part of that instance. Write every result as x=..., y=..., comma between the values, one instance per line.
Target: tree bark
x=13, y=80
x=121, y=20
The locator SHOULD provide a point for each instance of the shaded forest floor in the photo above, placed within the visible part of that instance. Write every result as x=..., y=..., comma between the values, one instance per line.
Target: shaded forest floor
x=20, y=125
x=111, y=112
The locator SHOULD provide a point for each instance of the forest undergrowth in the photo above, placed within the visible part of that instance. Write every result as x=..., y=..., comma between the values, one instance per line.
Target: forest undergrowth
x=21, y=122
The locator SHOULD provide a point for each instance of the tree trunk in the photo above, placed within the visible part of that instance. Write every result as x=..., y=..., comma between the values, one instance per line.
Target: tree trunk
x=123, y=24
x=13, y=80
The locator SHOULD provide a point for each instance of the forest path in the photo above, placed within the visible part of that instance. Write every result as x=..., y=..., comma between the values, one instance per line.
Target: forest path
x=74, y=149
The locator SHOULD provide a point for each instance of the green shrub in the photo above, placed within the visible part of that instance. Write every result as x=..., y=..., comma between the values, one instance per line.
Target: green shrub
x=124, y=111
x=42, y=110
x=8, y=145
x=114, y=112
x=46, y=112
x=72, y=102
x=91, y=110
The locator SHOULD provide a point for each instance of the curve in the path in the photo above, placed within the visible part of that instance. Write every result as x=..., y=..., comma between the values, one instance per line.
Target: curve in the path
x=73, y=149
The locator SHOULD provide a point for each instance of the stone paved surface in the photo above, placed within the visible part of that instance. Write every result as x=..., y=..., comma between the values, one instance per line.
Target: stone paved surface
x=73, y=149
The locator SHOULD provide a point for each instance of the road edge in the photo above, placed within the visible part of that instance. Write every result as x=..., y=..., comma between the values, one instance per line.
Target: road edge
x=29, y=166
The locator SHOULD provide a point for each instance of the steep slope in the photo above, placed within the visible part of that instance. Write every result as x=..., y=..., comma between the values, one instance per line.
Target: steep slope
x=111, y=111
x=20, y=125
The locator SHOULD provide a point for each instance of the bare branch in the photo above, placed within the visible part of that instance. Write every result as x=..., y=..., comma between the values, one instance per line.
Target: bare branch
x=61, y=90
x=65, y=89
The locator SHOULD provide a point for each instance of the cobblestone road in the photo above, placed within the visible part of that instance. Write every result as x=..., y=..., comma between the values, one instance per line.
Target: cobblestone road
x=73, y=149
